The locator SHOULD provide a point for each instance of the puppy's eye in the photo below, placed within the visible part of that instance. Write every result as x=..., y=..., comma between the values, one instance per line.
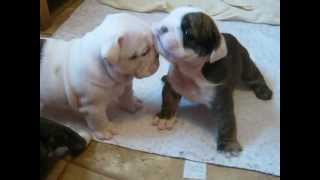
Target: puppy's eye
x=134, y=56
x=145, y=52
x=163, y=29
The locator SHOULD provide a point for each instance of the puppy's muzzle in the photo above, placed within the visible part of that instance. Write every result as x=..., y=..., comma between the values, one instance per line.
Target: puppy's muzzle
x=149, y=69
x=155, y=66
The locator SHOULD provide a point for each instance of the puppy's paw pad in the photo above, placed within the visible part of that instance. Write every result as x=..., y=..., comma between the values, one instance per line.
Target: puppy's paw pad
x=230, y=149
x=263, y=93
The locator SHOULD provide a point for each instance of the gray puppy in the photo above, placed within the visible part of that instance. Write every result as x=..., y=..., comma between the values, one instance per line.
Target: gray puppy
x=206, y=67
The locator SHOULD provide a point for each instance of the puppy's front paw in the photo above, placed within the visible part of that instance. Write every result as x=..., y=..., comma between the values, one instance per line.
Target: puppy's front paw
x=230, y=148
x=105, y=135
x=163, y=124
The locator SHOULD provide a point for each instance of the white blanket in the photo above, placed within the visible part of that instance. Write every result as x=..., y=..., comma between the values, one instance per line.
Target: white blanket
x=255, y=11
x=193, y=136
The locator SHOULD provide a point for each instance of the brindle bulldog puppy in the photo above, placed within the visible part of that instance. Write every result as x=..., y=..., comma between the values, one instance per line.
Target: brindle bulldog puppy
x=206, y=67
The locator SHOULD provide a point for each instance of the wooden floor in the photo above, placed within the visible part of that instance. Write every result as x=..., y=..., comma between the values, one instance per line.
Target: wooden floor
x=60, y=15
x=109, y=162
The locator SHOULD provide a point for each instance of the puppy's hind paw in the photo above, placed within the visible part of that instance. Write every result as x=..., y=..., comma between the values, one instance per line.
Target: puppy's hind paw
x=230, y=148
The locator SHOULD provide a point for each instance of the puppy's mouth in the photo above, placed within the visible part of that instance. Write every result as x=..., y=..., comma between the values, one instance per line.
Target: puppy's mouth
x=139, y=76
x=149, y=73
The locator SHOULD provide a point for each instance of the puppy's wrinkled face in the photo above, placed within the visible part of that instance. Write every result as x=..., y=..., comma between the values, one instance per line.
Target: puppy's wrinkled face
x=130, y=49
x=138, y=55
x=185, y=34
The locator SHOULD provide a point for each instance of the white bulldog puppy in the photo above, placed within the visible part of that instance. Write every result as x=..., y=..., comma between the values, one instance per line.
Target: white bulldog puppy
x=205, y=67
x=92, y=73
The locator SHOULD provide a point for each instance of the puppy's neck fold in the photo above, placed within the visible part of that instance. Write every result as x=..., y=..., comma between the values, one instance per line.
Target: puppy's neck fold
x=115, y=75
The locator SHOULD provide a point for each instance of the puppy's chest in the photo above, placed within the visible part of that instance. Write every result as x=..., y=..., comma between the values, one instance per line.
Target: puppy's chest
x=194, y=87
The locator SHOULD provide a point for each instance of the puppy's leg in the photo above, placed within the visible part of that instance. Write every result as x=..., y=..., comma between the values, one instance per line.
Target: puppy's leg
x=165, y=119
x=128, y=101
x=223, y=109
x=253, y=79
x=98, y=121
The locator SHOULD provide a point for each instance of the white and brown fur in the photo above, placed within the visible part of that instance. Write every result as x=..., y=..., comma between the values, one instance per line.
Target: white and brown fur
x=92, y=73
x=206, y=67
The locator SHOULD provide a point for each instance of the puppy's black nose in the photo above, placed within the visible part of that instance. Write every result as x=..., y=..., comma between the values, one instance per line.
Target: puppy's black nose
x=163, y=30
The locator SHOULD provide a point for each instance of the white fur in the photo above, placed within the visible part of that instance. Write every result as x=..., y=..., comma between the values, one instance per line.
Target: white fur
x=191, y=84
x=94, y=72
x=185, y=70
x=170, y=44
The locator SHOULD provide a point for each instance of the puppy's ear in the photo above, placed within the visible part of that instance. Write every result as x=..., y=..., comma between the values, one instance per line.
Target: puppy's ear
x=110, y=51
x=220, y=52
